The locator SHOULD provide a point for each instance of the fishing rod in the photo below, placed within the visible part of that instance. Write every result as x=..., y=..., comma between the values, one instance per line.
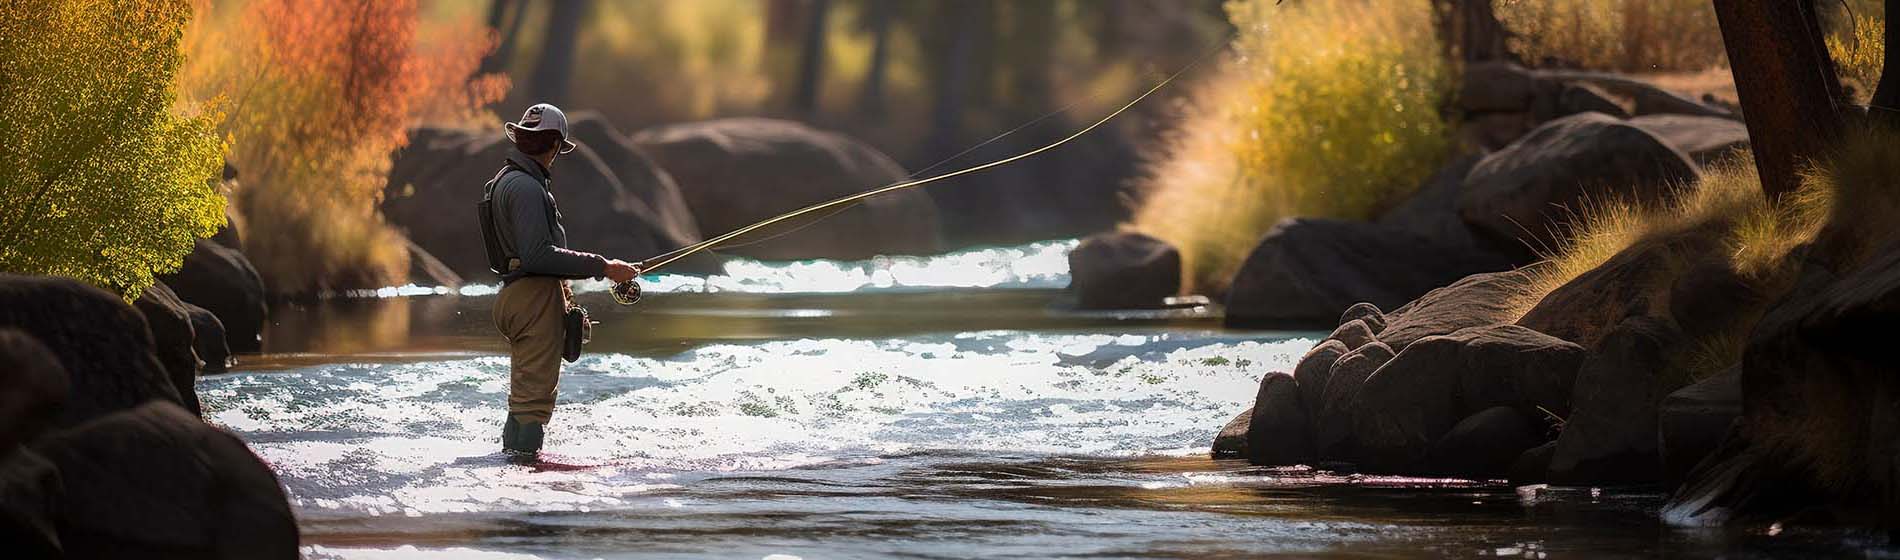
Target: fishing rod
x=628, y=292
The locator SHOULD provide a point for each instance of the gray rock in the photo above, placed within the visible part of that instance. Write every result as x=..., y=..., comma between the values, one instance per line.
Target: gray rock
x=1610, y=435
x=1533, y=465
x=1496, y=87
x=1432, y=210
x=1332, y=425
x=30, y=489
x=1352, y=333
x=1231, y=442
x=222, y=280
x=734, y=172
x=1366, y=313
x=1312, y=373
x=1706, y=139
x=1521, y=195
x=173, y=341
x=1277, y=432
x=1693, y=421
x=613, y=200
x=36, y=384
x=1124, y=270
x=1636, y=282
x=209, y=339
x=1306, y=272
x=101, y=342
x=1484, y=445
x=1475, y=301
x=1578, y=98
x=154, y=481
x=1415, y=399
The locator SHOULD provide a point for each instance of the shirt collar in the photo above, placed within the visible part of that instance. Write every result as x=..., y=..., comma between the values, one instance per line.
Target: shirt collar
x=530, y=165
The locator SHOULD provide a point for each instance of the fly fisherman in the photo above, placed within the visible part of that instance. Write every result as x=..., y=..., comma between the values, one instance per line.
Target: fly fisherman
x=528, y=247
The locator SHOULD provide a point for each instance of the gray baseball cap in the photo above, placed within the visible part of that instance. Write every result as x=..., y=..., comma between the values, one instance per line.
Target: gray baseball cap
x=543, y=116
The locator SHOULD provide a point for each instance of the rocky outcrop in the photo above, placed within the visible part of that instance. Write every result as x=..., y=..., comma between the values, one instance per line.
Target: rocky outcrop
x=1415, y=399
x=734, y=172
x=1524, y=194
x=1610, y=435
x=1705, y=139
x=1305, y=272
x=1333, y=431
x=221, y=280
x=173, y=341
x=1123, y=270
x=1501, y=101
x=1693, y=421
x=613, y=200
x=208, y=339
x=1231, y=442
x=155, y=482
x=1474, y=301
x=1484, y=445
x=1636, y=282
x=102, y=344
x=37, y=388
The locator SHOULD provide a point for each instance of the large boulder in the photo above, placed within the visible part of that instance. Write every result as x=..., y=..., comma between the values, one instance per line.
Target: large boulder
x=1312, y=373
x=153, y=481
x=1485, y=444
x=100, y=341
x=1231, y=442
x=1416, y=398
x=173, y=341
x=1636, y=282
x=613, y=200
x=1475, y=301
x=1332, y=414
x=1692, y=422
x=221, y=280
x=1525, y=194
x=734, y=172
x=30, y=486
x=1611, y=433
x=1432, y=210
x=1123, y=270
x=208, y=339
x=1277, y=430
x=1306, y=271
x=1705, y=139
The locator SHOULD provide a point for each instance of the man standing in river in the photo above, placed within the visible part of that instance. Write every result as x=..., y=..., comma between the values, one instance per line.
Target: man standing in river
x=528, y=247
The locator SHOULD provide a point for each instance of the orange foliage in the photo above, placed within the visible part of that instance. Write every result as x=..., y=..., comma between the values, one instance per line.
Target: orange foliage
x=322, y=92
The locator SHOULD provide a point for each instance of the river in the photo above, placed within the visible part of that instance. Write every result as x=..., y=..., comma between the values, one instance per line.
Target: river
x=935, y=407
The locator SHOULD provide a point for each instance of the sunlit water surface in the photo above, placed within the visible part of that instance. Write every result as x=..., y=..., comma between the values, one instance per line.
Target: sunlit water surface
x=837, y=410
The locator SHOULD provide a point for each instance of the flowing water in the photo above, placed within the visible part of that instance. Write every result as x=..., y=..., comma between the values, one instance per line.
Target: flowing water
x=932, y=407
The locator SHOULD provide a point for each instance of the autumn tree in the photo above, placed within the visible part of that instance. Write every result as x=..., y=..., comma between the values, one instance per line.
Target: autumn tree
x=104, y=182
x=323, y=91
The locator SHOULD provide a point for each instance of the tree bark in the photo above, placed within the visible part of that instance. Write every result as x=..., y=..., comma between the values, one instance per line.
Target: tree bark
x=556, y=67
x=871, y=99
x=1786, y=83
x=811, y=63
x=505, y=17
x=1469, y=31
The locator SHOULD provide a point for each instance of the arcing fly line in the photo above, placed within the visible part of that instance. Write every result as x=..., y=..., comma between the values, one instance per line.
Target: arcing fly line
x=628, y=292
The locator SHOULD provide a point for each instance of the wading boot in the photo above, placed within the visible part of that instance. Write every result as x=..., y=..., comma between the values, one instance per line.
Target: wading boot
x=521, y=440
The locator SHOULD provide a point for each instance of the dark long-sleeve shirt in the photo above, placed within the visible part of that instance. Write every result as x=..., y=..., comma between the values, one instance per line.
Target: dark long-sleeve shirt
x=529, y=224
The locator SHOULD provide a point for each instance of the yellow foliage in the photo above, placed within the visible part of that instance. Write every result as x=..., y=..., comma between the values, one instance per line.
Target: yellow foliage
x=1624, y=35
x=1324, y=108
x=102, y=181
x=1858, y=53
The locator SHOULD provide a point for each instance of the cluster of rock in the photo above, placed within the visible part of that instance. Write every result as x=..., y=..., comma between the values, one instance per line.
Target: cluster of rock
x=102, y=452
x=640, y=195
x=1547, y=144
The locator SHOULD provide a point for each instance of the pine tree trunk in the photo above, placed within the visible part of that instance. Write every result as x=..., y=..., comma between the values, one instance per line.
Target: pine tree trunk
x=1787, y=85
x=556, y=67
x=811, y=63
x=871, y=99
x=504, y=17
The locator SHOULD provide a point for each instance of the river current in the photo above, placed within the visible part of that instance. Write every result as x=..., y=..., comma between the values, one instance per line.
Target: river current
x=939, y=407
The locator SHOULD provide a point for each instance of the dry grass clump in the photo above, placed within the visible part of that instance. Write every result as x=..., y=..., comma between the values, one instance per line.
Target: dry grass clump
x=1325, y=108
x=1623, y=35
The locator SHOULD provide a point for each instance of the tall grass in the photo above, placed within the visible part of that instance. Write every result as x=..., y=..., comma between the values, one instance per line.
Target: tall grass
x=1324, y=108
x=1623, y=35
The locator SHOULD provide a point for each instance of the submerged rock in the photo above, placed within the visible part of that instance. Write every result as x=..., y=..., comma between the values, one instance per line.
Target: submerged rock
x=1523, y=194
x=734, y=172
x=222, y=280
x=1306, y=272
x=1124, y=270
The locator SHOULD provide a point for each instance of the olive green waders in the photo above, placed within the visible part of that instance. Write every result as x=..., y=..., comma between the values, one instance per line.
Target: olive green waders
x=529, y=314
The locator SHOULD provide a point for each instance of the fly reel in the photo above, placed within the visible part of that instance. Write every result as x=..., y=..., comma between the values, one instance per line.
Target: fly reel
x=628, y=292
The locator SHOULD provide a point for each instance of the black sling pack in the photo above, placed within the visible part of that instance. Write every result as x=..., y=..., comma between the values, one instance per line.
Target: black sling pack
x=491, y=239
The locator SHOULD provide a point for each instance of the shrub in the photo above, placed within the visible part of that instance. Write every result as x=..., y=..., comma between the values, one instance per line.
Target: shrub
x=323, y=91
x=1623, y=35
x=103, y=182
x=1858, y=52
x=1325, y=108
